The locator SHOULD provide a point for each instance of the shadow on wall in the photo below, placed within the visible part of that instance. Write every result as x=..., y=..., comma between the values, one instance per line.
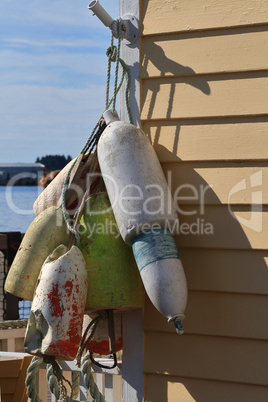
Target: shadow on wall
x=218, y=357
x=165, y=65
x=222, y=355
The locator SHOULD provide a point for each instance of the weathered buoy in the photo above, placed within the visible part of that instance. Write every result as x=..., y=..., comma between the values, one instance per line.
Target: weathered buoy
x=52, y=194
x=135, y=182
x=100, y=343
x=47, y=231
x=144, y=210
x=162, y=273
x=113, y=277
x=56, y=317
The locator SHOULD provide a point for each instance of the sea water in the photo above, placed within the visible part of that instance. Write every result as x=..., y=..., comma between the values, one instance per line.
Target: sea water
x=16, y=207
x=16, y=214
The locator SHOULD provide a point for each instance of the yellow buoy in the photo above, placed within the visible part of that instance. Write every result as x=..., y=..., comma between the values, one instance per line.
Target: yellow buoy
x=45, y=233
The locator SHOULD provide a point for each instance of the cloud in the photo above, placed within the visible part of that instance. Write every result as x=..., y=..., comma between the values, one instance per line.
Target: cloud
x=40, y=120
x=52, y=76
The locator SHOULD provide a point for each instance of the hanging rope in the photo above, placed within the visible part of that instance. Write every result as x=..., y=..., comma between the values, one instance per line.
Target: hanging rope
x=76, y=383
x=64, y=209
x=113, y=55
x=30, y=381
x=13, y=324
x=89, y=381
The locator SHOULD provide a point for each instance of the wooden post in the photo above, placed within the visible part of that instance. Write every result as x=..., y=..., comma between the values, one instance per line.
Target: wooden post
x=132, y=365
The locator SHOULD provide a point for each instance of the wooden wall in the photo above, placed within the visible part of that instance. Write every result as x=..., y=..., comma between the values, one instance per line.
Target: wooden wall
x=204, y=106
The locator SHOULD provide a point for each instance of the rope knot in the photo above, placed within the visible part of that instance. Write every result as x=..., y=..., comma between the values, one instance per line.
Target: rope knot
x=111, y=52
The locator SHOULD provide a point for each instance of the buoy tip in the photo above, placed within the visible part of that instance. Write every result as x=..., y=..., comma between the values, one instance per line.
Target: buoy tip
x=178, y=323
x=178, y=326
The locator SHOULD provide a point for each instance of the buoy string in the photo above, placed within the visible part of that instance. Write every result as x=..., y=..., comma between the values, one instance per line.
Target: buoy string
x=119, y=24
x=64, y=210
x=80, y=210
x=113, y=54
x=84, y=342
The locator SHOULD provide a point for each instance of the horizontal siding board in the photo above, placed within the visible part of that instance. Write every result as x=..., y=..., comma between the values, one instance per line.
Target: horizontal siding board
x=169, y=16
x=204, y=99
x=217, y=314
x=208, y=140
x=205, y=96
x=209, y=357
x=218, y=228
x=239, y=271
x=215, y=184
x=186, y=54
x=174, y=389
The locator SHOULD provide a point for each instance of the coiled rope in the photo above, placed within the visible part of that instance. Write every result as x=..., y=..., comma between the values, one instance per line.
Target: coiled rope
x=30, y=381
x=12, y=324
x=55, y=384
x=89, y=381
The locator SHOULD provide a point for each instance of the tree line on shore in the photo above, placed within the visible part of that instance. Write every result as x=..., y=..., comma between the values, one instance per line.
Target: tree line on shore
x=54, y=162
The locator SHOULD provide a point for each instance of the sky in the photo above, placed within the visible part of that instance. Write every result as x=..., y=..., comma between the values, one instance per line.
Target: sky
x=53, y=71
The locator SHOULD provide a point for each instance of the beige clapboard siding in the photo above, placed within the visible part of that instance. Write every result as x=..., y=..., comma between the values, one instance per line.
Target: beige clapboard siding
x=205, y=96
x=204, y=53
x=208, y=357
x=206, y=140
x=239, y=271
x=160, y=16
x=217, y=314
x=217, y=183
x=174, y=389
x=218, y=228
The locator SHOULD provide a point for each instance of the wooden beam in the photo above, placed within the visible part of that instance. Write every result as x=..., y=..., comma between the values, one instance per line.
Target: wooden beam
x=3, y=241
x=20, y=390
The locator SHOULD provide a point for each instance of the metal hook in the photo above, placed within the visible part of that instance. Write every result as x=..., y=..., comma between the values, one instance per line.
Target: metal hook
x=130, y=24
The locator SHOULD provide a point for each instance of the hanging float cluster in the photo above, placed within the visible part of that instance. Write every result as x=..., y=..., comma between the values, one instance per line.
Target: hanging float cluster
x=99, y=274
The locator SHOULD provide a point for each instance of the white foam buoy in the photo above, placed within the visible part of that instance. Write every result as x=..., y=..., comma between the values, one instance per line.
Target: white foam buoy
x=135, y=182
x=162, y=273
x=144, y=211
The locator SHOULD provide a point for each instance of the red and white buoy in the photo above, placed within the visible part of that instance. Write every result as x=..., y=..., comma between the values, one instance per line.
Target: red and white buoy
x=56, y=317
x=100, y=342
